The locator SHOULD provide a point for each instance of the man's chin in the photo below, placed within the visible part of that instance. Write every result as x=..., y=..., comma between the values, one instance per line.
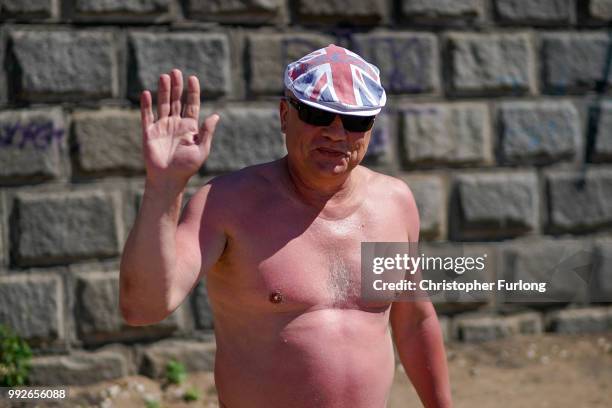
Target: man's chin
x=332, y=168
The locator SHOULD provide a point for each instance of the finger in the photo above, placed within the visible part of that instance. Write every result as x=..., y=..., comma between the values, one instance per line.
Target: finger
x=176, y=92
x=146, y=110
x=207, y=132
x=192, y=110
x=163, y=96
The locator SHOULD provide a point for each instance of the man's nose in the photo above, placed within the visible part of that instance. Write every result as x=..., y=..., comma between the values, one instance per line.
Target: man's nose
x=335, y=130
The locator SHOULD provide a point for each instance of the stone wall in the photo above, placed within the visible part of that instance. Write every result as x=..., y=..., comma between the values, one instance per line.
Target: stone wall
x=499, y=118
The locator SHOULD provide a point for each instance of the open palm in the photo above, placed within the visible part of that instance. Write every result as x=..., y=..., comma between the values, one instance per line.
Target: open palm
x=174, y=146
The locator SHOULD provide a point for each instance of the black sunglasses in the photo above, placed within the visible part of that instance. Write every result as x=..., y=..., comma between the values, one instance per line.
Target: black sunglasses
x=319, y=117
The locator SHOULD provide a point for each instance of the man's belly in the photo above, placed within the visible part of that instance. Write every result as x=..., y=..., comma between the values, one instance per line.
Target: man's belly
x=322, y=358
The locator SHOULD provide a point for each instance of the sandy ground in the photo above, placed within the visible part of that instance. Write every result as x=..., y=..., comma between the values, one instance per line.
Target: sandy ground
x=542, y=371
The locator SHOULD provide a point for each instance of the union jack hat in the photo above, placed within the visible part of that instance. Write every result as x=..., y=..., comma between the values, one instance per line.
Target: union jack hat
x=336, y=80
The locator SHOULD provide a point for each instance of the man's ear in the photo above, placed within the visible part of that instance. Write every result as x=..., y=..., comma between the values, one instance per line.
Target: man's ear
x=283, y=111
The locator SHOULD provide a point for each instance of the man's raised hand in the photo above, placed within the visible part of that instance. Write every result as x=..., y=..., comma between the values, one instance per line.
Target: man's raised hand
x=174, y=146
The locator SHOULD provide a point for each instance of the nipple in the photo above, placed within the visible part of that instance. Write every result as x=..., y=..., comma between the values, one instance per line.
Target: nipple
x=276, y=297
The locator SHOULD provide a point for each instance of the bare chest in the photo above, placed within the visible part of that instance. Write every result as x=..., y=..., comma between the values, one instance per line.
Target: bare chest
x=281, y=263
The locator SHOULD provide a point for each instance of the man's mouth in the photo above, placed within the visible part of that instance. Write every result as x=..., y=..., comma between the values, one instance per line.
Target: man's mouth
x=331, y=152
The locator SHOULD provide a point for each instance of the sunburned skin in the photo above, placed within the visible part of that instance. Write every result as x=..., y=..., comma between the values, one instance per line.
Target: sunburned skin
x=279, y=245
x=291, y=328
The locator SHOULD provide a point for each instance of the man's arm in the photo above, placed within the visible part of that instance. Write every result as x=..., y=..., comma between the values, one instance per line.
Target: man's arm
x=163, y=258
x=418, y=337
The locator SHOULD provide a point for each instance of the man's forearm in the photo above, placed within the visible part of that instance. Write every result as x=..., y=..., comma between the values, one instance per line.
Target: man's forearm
x=421, y=350
x=149, y=257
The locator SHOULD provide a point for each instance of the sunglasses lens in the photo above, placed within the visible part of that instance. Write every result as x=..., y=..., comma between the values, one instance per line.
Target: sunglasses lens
x=319, y=117
x=357, y=123
x=315, y=117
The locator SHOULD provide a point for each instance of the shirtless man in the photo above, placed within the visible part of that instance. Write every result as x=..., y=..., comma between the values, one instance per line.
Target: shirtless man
x=279, y=245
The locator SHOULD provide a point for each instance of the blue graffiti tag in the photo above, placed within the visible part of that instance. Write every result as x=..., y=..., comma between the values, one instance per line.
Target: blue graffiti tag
x=39, y=135
x=395, y=74
x=537, y=133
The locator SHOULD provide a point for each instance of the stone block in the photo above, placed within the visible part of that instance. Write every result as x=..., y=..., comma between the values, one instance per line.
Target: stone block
x=430, y=196
x=109, y=140
x=497, y=204
x=527, y=323
x=538, y=132
x=408, y=62
x=4, y=91
x=201, y=307
x=32, y=305
x=342, y=11
x=196, y=356
x=37, y=9
x=443, y=11
x=122, y=10
x=206, y=55
x=237, y=11
x=601, y=285
x=65, y=226
x=600, y=9
x=269, y=55
x=603, y=132
x=580, y=321
x=98, y=317
x=574, y=62
x=498, y=63
x=78, y=368
x=245, y=136
x=32, y=145
x=57, y=65
x=478, y=328
x=3, y=235
x=562, y=265
x=535, y=12
x=382, y=147
x=122, y=6
x=456, y=134
x=580, y=200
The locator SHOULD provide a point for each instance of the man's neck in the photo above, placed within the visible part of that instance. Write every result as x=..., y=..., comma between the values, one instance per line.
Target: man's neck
x=321, y=193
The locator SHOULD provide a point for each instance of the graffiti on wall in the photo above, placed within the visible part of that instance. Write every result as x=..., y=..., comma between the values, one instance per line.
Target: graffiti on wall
x=38, y=135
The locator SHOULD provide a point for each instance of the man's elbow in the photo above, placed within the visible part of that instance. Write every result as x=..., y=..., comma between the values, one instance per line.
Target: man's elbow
x=131, y=317
x=134, y=315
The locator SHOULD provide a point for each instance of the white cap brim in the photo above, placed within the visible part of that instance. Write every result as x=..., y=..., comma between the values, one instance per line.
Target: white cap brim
x=340, y=109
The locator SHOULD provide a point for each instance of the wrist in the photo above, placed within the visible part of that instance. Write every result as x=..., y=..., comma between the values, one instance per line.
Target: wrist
x=162, y=200
x=164, y=188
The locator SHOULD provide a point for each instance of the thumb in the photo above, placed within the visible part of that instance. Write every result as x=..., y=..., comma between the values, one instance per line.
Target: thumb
x=207, y=131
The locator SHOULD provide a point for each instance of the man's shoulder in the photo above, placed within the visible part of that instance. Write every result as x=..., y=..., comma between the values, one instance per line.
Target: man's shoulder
x=237, y=186
x=244, y=177
x=388, y=185
x=398, y=198
x=224, y=197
